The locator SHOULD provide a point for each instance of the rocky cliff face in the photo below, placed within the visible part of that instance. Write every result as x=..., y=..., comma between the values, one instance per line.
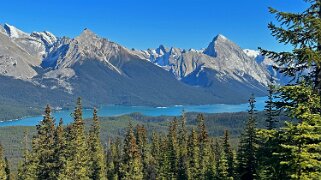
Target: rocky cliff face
x=105, y=72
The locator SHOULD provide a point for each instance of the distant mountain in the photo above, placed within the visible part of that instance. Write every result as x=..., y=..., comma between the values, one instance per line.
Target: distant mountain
x=268, y=64
x=222, y=68
x=103, y=72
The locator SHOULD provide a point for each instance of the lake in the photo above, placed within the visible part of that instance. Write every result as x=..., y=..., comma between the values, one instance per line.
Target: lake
x=117, y=110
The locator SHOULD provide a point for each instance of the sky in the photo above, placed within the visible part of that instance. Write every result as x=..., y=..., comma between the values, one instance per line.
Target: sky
x=143, y=24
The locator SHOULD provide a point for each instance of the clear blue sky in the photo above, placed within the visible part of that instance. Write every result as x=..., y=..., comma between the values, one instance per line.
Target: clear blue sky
x=147, y=23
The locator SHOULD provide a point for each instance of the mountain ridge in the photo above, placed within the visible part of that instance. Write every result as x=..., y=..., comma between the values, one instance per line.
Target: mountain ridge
x=104, y=72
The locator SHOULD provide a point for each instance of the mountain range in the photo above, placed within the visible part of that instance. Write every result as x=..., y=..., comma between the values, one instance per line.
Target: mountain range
x=37, y=68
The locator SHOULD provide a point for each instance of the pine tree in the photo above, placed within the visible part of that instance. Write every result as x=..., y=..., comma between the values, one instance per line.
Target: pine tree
x=114, y=160
x=3, y=174
x=228, y=153
x=204, y=146
x=77, y=166
x=172, y=149
x=193, y=153
x=300, y=151
x=132, y=167
x=7, y=169
x=164, y=161
x=268, y=139
x=222, y=169
x=27, y=168
x=302, y=31
x=271, y=111
x=97, y=161
x=212, y=165
x=183, y=164
x=247, y=160
x=155, y=155
x=43, y=147
x=217, y=150
x=141, y=139
x=59, y=151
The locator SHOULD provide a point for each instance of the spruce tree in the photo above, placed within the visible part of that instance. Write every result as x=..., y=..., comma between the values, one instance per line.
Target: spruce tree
x=114, y=160
x=301, y=31
x=132, y=167
x=204, y=146
x=97, y=161
x=271, y=111
x=156, y=154
x=7, y=169
x=3, y=174
x=222, y=169
x=300, y=142
x=43, y=147
x=77, y=164
x=59, y=151
x=247, y=151
x=193, y=153
x=183, y=164
x=172, y=149
x=212, y=165
x=27, y=168
x=228, y=153
x=141, y=139
x=164, y=161
x=217, y=149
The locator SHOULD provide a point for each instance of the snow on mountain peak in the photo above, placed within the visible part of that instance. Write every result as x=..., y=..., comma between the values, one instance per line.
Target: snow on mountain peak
x=221, y=37
x=251, y=53
x=14, y=32
x=48, y=38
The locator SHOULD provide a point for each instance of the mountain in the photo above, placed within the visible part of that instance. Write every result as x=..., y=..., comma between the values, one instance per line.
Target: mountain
x=60, y=69
x=223, y=68
x=268, y=64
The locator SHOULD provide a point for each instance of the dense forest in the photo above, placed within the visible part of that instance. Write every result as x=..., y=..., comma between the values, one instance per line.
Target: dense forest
x=181, y=152
x=291, y=150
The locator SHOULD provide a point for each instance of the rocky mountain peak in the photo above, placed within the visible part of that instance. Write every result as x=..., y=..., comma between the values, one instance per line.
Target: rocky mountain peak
x=87, y=36
x=218, y=41
x=14, y=32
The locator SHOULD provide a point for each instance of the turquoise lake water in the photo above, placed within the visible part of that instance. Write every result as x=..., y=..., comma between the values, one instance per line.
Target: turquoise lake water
x=116, y=110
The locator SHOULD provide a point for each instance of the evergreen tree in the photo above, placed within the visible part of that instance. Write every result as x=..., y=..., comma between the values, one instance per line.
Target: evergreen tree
x=27, y=168
x=193, y=152
x=228, y=153
x=59, y=151
x=164, y=161
x=77, y=166
x=172, y=149
x=97, y=168
x=132, y=167
x=3, y=174
x=222, y=169
x=300, y=151
x=302, y=31
x=7, y=169
x=43, y=147
x=183, y=164
x=268, y=139
x=203, y=146
x=271, y=111
x=212, y=165
x=217, y=149
x=114, y=160
x=247, y=160
x=155, y=155
x=141, y=139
